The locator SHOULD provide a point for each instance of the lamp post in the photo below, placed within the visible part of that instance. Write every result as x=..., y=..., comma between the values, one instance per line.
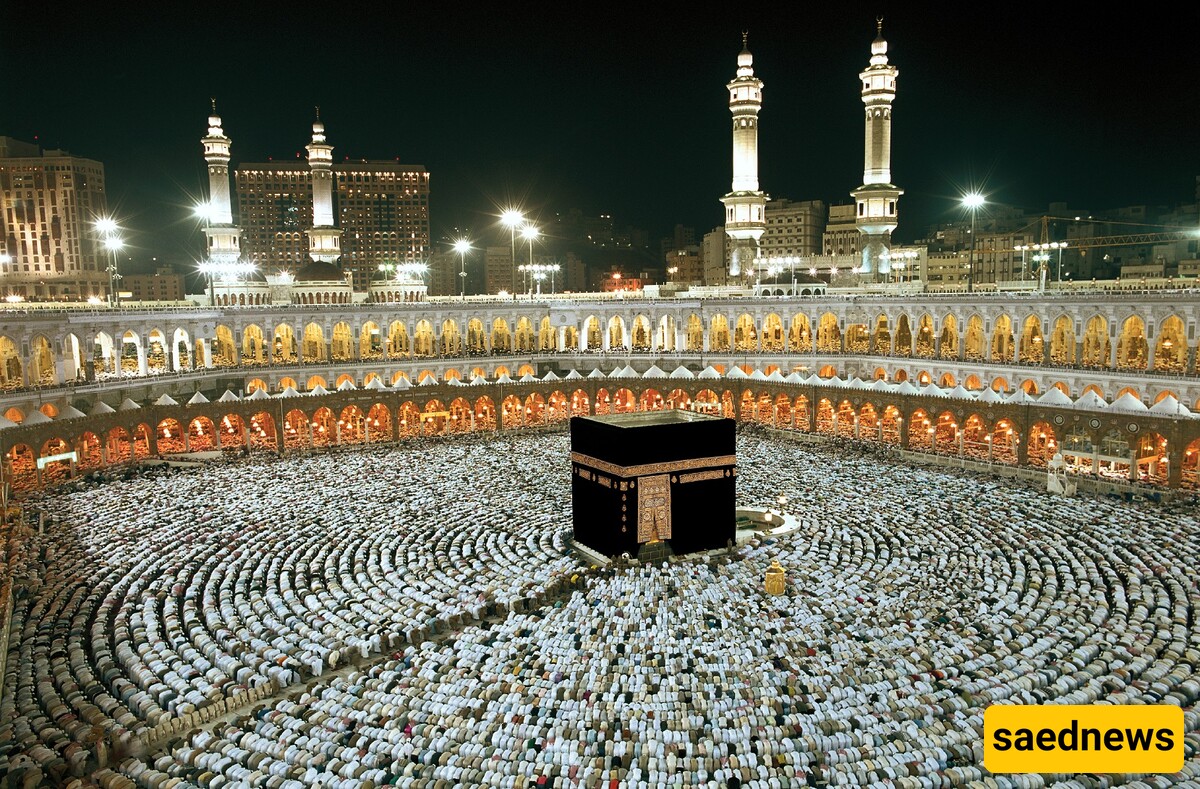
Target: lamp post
x=529, y=233
x=114, y=245
x=972, y=202
x=513, y=218
x=536, y=272
x=462, y=247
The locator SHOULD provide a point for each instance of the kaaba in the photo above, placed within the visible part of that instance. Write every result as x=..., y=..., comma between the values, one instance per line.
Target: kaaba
x=654, y=476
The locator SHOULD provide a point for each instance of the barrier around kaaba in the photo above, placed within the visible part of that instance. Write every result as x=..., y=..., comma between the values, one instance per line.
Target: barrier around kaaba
x=651, y=477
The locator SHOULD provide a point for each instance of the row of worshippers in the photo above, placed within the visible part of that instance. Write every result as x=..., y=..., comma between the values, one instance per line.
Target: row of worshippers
x=156, y=593
x=915, y=598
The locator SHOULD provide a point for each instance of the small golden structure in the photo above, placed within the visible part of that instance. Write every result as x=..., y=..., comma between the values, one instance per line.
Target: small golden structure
x=776, y=578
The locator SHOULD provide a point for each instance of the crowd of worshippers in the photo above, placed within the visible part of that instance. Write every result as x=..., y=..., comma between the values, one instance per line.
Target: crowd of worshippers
x=404, y=601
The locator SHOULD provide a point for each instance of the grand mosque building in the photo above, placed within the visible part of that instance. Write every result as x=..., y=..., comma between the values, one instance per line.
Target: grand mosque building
x=305, y=535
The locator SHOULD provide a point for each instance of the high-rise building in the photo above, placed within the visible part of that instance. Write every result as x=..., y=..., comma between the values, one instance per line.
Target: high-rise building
x=714, y=251
x=444, y=268
x=793, y=228
x=381, y=209
x=49, y=202
x=877, y=198
x=498, y=269
x=744, y=205
x=841, y=236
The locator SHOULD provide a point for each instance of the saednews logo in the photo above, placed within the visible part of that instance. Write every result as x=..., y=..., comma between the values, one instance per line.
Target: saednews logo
x=1083, y=738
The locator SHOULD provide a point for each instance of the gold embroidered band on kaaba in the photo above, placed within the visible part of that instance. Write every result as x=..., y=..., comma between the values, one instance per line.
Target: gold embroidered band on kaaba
x=652, y=468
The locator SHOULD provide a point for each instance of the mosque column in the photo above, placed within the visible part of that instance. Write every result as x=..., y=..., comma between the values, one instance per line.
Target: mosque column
x=1175, y=465
x=143, y=367
x=903, y=429
x=1133, y=464
x=857, y=427
x=278, y=436
x=151, y=440
x=581, y=336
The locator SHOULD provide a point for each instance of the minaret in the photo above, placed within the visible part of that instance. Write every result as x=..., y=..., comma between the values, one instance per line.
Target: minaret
x=324, y=240
x=876, y=199
x=224, y=238
x=745, y=204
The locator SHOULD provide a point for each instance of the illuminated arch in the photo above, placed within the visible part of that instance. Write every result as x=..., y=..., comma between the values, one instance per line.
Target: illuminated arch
x=829, y=334
x=745, y=334
x=296, y=432
x=881, y=338
x=1032, y=346
x=523, y=336
x=948, y=338
x=904, y=337
x=1132, y=348
x=718, y=334
x=1171, y=348
x=312, y=346
x=925, y=337
x=580, y=403
x=423, y=342
x=1097, y=344
x=1002, y=346
x=800, y=334
x=283, y=344
x=1062, y=341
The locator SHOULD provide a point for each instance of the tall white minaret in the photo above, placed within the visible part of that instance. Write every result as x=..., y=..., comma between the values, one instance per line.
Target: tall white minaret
x=224, y=238
x=745, y=205
x=324, y=240
x=877, y=198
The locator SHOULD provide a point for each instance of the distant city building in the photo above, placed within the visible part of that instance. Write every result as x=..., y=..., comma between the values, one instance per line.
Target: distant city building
x=49, y=202
x=381, y=208
x=575, y=275
x=793, y=228
x=165, y=284
x=714, y=254
x=681, y=238
x=498, y=269
x=841, y=236
x=685, y=265
x=443, y=273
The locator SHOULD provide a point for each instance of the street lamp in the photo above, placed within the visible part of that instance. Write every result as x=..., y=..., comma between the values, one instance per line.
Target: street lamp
x=513, y=218
x=972, y=202
x=114, y=244
x=537, y=273
x=529, y=233
x=462, y=247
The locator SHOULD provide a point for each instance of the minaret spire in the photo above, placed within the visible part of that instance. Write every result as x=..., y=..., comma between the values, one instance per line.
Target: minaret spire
x=876, y=200
x=324, y=239
x=745, y=204
x=224, y=238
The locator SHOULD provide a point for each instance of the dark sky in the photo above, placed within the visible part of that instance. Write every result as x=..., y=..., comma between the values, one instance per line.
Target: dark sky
x=611, y=108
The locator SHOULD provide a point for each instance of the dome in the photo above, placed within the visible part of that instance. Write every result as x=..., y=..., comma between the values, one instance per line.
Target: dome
x=319, y=271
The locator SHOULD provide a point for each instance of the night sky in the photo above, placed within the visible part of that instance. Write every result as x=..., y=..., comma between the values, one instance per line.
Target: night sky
x=610, y=108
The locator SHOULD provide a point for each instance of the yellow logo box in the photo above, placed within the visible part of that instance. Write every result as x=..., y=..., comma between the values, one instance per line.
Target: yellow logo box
x=1083, y=739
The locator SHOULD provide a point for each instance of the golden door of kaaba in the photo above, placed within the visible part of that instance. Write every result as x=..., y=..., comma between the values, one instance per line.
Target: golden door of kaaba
x=654, y=508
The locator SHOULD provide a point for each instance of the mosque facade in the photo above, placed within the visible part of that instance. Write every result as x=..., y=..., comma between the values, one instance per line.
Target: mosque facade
x=1114, y=382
